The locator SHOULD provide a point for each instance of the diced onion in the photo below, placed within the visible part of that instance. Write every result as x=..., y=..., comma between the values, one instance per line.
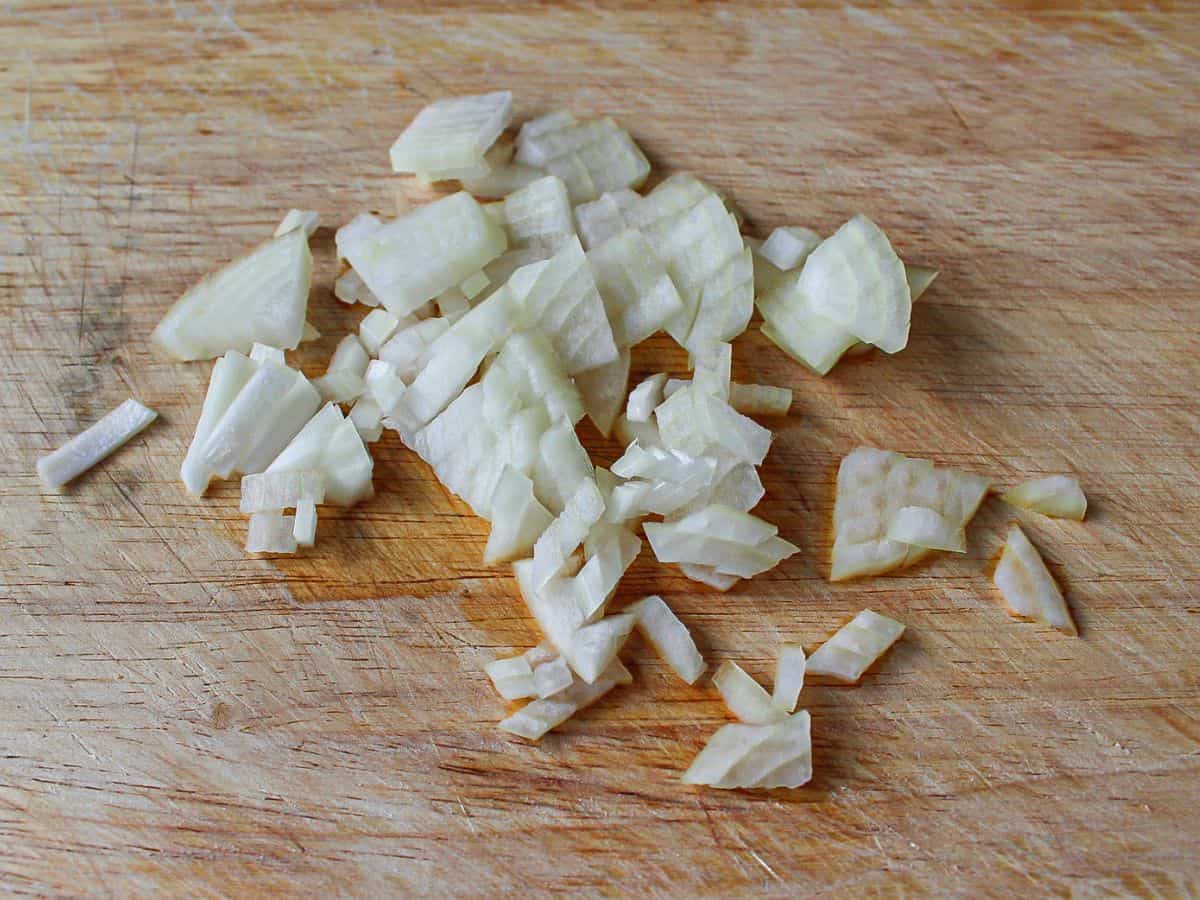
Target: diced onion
x=644, y=398
x=93, y=444
x=448, y=138
x=267, y=491
x=304, y=524
x=745, y=697
x=756, y=756
x=789, y=676
x=271, y=532
x=669, y=637
x=1057, y=496
x=1027, y=586
x=855, y=646
x=304, y=219
x=536, y=718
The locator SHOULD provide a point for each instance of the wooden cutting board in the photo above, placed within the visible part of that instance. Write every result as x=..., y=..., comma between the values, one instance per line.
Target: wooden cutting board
x=178, y=718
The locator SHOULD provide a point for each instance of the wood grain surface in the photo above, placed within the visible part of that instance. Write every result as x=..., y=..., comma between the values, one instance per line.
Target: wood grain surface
x=177, y=718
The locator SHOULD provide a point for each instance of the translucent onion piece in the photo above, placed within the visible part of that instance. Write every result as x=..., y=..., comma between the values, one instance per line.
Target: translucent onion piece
x=562, y=465
x=745, y=697
x=788, y=321
x=349, y=356
x=645, y=433
x=383, y=385
x=639, y=296
x=708, y=575
x=90, y=446
x=512, y=677
x=657, y=464
x=309, y=333
x=726, y=303
x=1057, y=496
x=449, y=137
x=417, y=256
x=472, y=286
x=603, y=391
x=610, y=551
x=669, y=637
x=539, y=215
x=367, y=416
x=920, y=526
x=756, y=756
x=409, y=348
x=339, y=386
x=271, y=532
x=760, y=399
x=536, y=373
x=536, y=718
x=789, y=676
x=229, y=375
x=591, y=157
x=351, y=235
x=262, y=296
x=453, y=304
x=1028, y=588
x=694, y=422
x=269, y=408
x=350, y=288
x=855, y=278
x=713, y=370
x=604, y=217
x=787, y=247
x=731, y=541
x=552, y=677
x=267, y=491
x=645, y=397
x=304, y=219
x=330, y=444
x=669, y=199
x=919, y=278
x=872, y=487
x=377, y=328
x=564, y=303
x=304, y=524
x=261, y=353
x=857, y=645
x=518, y=519
x=502, y=180
x=566, y=532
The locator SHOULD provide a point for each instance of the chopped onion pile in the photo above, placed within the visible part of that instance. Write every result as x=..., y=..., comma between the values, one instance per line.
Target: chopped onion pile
x=855, y=646
x=1027, y=586
x=93, y=444
x=892, y=510
x=1057, y=496
x=497, y=327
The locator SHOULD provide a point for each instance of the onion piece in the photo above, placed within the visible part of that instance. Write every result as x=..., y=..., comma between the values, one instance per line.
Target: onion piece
x=645, y=397
x=262, y=296
x=367, y=416
x=502, y=180
x=349, y=356
x=409, y=349
x=471, y=287
x=304, y=524
x=349, y=288
x=449, y=137
x=605, y=217
x=789, y=676
x=610, y=550
x=669, y=637
x=566, y=532
x=512, y=677
x=855, y=646
x=639, y=296
x=787, y=247
x=1058, y=496
x=304, y=219
x=229, y=375
x=383, y=385
x=745, y=697
x=329, y=443
x=592, y=157
x=417, y=256
x=518, y=519
x=603, y=391
x=872, y=487
x=708, y=575
x=539, y=215
x=855, y=278
x=756, y=756
x=93, y=444
x=310, y=333
x=919, y=526
x=271, y=532
x=350, y=237
x=273, y=491
x=536, y=718
x=536, y=373
x=731, y=541
x=760, y=399
x=261, y=353
x=453, y=304
x=1028, y=588
x=563, y=301
x=726, y=302
x=377, y=328
x=339, y=386
x=645, y=433
x=562, y=465
x=697, y=423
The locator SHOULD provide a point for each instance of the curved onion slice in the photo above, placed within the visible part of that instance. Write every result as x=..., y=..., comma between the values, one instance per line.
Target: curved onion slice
x=539, y=215
x=639, y=296
x=789, y=676
x=855, y=278
x=229, y=375
x=872, y=487
x=262, y=296
x=669, y=637
x=518, y=519
x=566, y=532
x=448, y=138
x=1057, y=496
x=756, y=756
x=610, y=550
x=1027, y=586
x=603, y=391
x=562, y=464
x=90, y=446
x=855, y=646
x=745, y=697
x=708, y=575
x=534, y=719
x=731, y=541
x=760, y=399
x=592, y=157
x=645, y=397
x=788, y=247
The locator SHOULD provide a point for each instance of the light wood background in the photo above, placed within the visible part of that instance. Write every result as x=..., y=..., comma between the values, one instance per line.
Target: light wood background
x=177, y=718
